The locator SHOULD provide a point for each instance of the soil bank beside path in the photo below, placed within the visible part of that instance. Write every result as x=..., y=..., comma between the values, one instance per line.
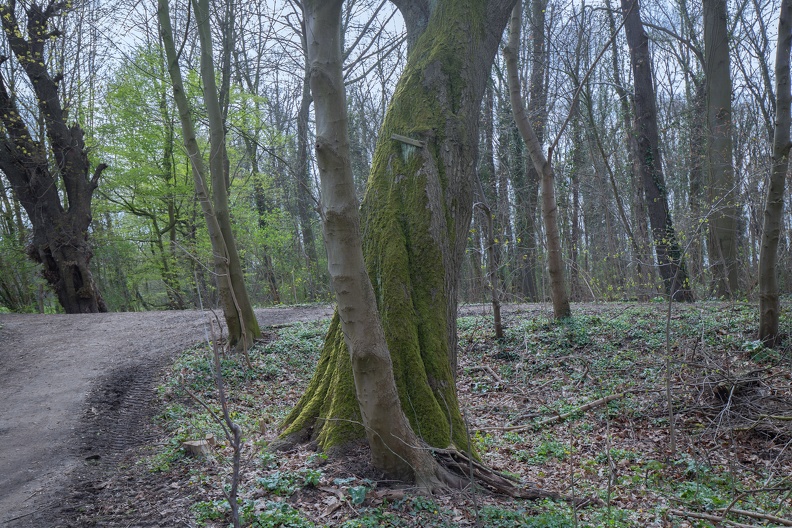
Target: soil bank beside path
x=49, y=367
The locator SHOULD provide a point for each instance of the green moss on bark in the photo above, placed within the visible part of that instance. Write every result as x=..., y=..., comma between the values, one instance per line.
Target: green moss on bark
x=409, y=221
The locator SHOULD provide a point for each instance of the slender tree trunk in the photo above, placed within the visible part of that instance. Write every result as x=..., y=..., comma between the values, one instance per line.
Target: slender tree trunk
x=60, y=229
x=224, y=282
x=304, y=197
x=669, y=256
x=555, y=262
x=721, y=185
x=243, y=328
x=769, y=305
x=527, y=185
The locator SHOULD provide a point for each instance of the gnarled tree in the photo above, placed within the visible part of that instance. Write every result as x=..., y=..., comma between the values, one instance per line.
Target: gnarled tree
x=41, y=159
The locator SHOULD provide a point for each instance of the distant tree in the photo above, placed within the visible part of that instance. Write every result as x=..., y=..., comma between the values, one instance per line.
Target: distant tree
x=720, y=170
x=769, y=305
x=46, y=160
x=670, y=263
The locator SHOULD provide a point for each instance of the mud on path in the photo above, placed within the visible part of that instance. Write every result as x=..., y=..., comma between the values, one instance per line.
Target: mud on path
x=76, y=391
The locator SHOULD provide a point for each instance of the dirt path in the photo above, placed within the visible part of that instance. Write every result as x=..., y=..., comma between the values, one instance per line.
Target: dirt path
x=76, y=389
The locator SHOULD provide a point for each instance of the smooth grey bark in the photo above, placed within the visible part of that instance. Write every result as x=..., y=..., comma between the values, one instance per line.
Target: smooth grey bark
x=769, y=305
x=219, y=247
x=555, y=263
x=722, y=246
x=243, y=328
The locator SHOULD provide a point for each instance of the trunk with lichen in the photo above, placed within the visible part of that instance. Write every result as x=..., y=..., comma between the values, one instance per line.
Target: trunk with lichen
x=414, y=224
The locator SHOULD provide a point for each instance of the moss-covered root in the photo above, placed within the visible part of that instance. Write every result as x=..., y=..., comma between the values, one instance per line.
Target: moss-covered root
x=328, y=412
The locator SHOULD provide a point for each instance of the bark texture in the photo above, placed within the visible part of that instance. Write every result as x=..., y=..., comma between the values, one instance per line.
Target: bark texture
x=415, y=220
x=721, y=186
x=395, y=449
x=769, y=305
x=670, y=263
x=34, y=166
x=555, y=258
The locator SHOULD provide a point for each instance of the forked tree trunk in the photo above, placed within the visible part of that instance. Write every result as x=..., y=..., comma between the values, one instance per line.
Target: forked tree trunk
x=670, y=261
x=769, y=305
x=555, y=260
x=415, y=220
x=223, y=276
x=722, y=193
x=60, y=230
x=395, y=449
x=243, y=327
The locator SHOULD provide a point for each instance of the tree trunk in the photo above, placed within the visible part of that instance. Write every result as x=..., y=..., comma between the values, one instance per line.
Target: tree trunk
x=243, y=327
x=415, y=221
x=555, y=262
x=669, y=256
x=526, y=186
x=220, y=254
x=304, y=197
x=60, y=232
x=722, y=193
x=769, y=305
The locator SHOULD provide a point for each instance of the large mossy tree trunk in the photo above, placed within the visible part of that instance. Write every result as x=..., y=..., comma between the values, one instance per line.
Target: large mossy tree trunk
x=769, y=304
x=56, y=160
x=414, y=222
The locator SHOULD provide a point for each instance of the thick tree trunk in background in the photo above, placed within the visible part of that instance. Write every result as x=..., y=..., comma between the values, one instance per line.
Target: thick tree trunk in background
x=644, y=275
x=769, y=305
x=415, y=220
x=669, y=256
x=555, y=261
x=60, y=233
x=723, y=195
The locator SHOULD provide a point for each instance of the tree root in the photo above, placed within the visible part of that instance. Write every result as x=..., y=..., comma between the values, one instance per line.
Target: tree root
x=460, y=466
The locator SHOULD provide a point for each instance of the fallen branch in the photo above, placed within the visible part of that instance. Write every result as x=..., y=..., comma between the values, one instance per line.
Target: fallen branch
x=707, y=517
x=762, y=516
x=561, y=417
x=488, y=370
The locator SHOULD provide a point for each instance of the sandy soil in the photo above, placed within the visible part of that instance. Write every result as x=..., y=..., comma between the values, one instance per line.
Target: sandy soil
x=76, y=390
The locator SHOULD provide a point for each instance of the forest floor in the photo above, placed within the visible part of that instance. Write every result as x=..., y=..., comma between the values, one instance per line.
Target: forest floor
x=578, y=407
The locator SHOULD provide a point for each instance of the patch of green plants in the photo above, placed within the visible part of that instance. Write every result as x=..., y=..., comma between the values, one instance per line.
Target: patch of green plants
x=545, y=451
x=284, y=483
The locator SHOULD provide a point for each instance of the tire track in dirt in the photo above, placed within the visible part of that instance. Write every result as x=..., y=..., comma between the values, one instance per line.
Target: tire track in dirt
x=81, y=386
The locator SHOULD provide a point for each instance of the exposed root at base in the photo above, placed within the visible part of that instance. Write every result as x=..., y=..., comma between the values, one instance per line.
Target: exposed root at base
x=461, y=466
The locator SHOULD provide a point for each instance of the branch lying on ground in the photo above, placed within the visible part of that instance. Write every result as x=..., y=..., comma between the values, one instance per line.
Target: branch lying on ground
x=559, y=417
